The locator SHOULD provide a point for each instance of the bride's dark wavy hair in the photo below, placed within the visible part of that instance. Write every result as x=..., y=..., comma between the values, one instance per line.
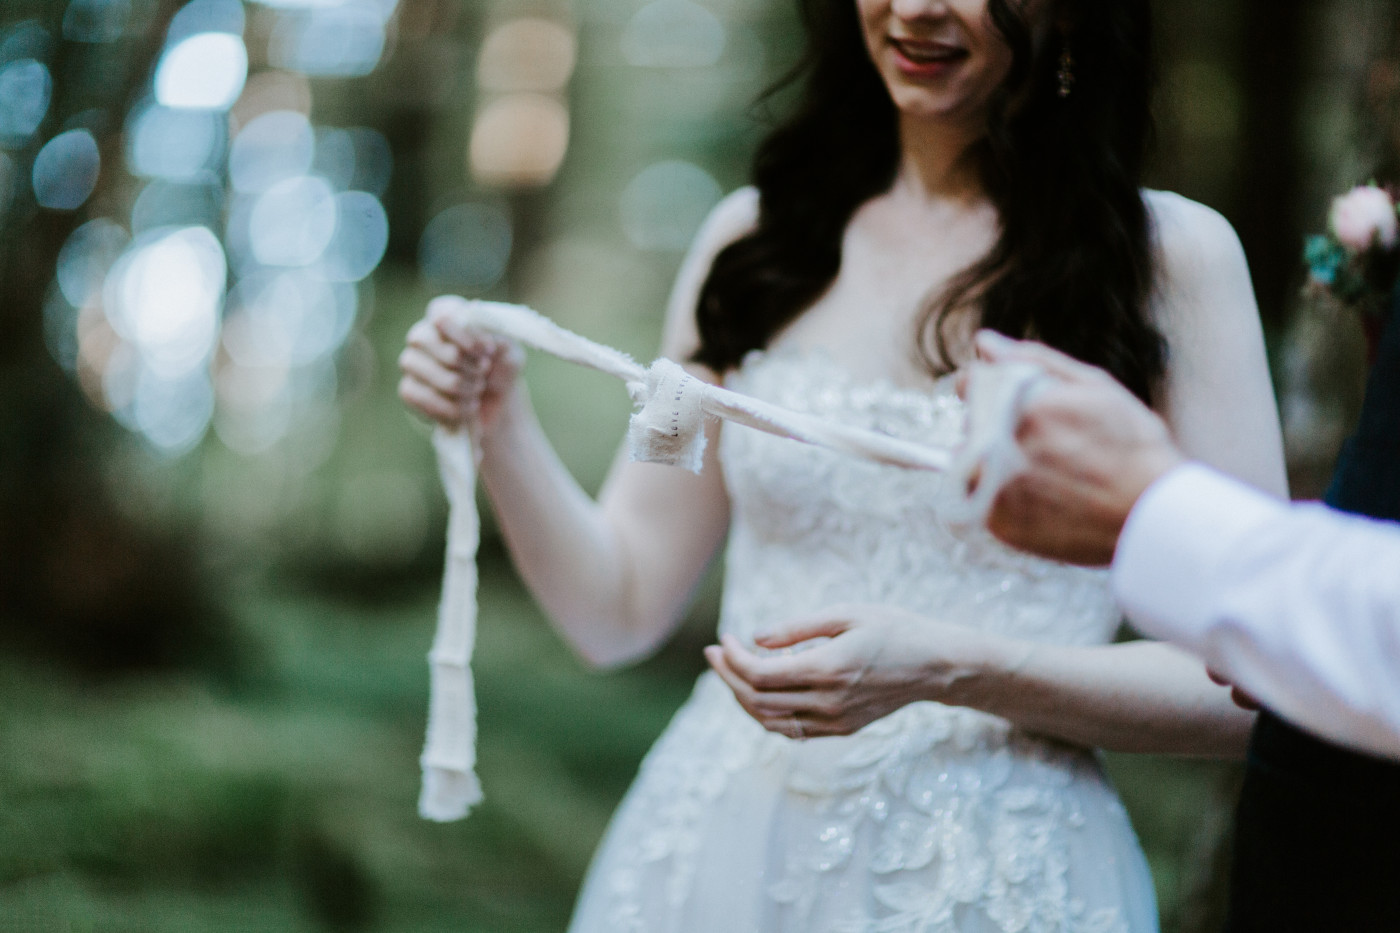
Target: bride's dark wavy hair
x=1072, y=265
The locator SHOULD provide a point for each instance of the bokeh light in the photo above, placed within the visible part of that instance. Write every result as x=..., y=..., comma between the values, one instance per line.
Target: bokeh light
x=374, y=160
x=360, y=238
x=527, y=54
x=254, y=405
x=206, y=16
x=206, y=71
x=519, y=140
x=66, y=170
x=356, y=158
x=334, y=157
x=271, y=148
x=95, y=21
x=172, y=412
x=234, y=276
x=673, y=34
x=86, y=258
x=290, y=318
x=145, y=356
x=164, y=296
x=26, y=39
x=25, y=89
x=665, y=204
x=196, y=203
x=292, y=222
x=61, y=330
x=114, y=366
x=466, y=246
x=268, y=91
x=178, y=145
x=339, y=40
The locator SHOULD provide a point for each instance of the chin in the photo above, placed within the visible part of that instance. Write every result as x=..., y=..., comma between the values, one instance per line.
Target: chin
x=921, y=104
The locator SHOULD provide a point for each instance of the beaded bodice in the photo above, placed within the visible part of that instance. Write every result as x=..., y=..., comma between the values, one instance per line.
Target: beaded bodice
x=813, y=528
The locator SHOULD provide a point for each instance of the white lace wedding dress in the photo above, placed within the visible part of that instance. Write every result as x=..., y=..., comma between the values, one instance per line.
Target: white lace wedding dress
x=932, y=820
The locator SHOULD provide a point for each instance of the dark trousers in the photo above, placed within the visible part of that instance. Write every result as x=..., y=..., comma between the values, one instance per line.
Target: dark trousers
x=1317, y=838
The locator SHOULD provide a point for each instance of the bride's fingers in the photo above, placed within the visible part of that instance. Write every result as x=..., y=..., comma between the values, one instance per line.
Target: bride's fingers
x=743, y=690
x=454, y=346
x=443, y=352
x=445, y=306
x=510, y=353
x=470, y=340
x=814, y=725
x=427, y=337
x=818, y=729
x=423, y=367
x=763, y=704
x=777, y=672
x=426, y=401
x=794, y=633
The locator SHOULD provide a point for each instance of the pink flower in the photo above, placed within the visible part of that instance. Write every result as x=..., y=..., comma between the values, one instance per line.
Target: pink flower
x=1364, y=216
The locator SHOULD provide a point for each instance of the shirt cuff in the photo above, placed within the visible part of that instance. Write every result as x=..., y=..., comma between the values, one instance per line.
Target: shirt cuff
x=1167, y=570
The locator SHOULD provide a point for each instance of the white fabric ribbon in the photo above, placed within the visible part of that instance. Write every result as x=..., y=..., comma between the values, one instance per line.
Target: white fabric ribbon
x=668, y=427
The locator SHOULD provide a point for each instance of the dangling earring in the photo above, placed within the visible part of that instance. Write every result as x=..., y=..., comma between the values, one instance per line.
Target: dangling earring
x=1065, y=74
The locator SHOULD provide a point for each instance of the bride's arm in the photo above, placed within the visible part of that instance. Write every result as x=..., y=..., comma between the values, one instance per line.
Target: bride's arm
x=1216, y=396
x=1141, y=696
x=1134, y=697
x=1138, y=696
x=613, y=575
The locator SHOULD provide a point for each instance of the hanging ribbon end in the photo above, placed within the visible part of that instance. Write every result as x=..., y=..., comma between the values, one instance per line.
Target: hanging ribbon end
x=448, y=795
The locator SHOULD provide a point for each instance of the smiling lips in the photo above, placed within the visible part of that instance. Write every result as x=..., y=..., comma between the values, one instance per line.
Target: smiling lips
x=925, y=59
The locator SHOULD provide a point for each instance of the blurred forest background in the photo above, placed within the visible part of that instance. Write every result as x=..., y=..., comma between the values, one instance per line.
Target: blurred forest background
x=220, y=534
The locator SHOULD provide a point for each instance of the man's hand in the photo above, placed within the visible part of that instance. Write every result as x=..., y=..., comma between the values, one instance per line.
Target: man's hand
x=1241, y=699
x=1091, y=449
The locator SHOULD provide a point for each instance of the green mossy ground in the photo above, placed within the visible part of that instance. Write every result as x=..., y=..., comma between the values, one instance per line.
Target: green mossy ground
x=282, y=798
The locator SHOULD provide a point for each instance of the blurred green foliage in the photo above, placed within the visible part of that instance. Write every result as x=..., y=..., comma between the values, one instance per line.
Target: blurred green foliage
x=283, y=800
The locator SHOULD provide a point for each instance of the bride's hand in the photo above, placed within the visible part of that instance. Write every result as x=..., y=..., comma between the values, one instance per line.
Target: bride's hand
x=874, y=660
x=454, y=375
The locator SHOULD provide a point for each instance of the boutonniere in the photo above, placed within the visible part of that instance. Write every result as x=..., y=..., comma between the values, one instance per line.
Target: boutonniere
x=1354, y=264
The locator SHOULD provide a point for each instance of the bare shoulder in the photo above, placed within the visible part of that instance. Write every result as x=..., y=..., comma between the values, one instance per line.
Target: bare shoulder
x=732, y=218
x=1200, y=264
x=1216, y=395
x=1189, y=237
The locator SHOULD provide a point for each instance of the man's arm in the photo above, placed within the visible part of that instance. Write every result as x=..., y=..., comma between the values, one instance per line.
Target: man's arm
x=1297, y=605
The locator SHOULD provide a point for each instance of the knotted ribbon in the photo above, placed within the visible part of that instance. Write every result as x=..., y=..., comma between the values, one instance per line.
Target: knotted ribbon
x=668, y=427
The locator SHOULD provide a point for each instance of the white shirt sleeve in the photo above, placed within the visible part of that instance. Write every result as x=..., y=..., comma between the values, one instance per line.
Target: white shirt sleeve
x=1297, y=605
